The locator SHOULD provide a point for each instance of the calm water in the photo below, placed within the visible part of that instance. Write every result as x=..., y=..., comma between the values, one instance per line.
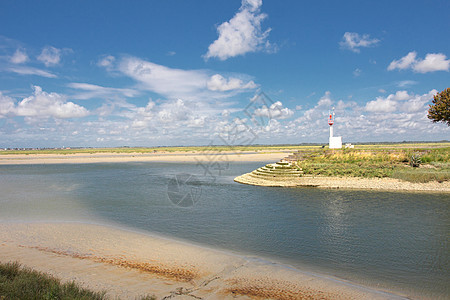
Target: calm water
x=393, y=241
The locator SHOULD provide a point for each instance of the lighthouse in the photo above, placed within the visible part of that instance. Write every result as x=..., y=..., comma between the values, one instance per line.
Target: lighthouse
x=335, y=142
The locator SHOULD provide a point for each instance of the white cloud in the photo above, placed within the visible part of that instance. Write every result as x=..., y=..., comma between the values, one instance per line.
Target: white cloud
x=93, y=91
x=401, y=101
x=432, y=62
x=398, y=116
x=406, y=83
x=417, y=103
x=174, y=83
x=218, y=83
x=404, y=62
x=19, y=57
x=353, y=41
x=50, y=56
x=357, y=72
x=242, y=34
x=6, y=105
x=43, y=105
x=275, y=111
x=189, y=85
x=325, y=100
x=319, y=110
x=22, y=70
x=106, y=62
x=381, y=105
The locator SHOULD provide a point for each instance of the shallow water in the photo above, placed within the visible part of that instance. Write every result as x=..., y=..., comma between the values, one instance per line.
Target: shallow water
x=388, y=240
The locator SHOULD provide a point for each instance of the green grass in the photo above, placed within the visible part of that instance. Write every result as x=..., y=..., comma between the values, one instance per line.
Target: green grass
x=422, y=175
x=380, y=162
x=17, y=282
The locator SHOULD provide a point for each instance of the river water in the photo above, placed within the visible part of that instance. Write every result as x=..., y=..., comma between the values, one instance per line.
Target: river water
x=387, y=240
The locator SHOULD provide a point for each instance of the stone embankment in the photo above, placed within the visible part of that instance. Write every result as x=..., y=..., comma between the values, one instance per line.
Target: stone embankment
x=282, y=173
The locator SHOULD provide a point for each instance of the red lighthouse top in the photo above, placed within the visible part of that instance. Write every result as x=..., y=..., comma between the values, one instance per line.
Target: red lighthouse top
x=330, y=120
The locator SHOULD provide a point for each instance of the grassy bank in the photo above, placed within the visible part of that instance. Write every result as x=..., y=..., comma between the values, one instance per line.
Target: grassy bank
x=434, y=163
x=23, y=283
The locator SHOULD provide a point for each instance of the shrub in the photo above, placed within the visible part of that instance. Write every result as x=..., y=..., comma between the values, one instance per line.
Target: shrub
x=415, y=160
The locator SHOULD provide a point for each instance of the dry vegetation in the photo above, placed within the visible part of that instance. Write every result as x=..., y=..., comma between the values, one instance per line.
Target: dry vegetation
x=434, y=163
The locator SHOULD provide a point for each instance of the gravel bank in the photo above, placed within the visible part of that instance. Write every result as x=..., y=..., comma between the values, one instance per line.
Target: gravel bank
x=348, y=183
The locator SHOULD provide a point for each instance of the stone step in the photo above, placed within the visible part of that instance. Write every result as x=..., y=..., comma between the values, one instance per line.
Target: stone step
x=256, y=173
x=280, y=170
x=277, y=172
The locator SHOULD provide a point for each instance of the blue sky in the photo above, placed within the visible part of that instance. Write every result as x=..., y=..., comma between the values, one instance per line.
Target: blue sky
x=174, y=72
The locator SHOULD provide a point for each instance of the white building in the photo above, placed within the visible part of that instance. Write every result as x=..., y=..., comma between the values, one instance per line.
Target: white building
x=335, y=141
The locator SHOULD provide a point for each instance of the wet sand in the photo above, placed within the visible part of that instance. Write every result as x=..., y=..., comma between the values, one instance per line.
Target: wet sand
x=128, y=264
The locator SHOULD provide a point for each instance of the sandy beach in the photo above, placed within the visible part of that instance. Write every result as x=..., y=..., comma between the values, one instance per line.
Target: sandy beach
x=128, y=264
x=7, y=159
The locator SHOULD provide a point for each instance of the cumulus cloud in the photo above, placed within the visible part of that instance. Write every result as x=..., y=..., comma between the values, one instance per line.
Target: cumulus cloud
x=44, y=105
x=19, y=57
x=353, y=41
x=92, y=91
x=23, y=70
x=275, y=111
x=432, y=62
x=398, y=116
x=381, y=105
x=218, y=83
x=50, y=56
x=403, y=63
x=242, y=34
x=401, y=101
x=6, y=105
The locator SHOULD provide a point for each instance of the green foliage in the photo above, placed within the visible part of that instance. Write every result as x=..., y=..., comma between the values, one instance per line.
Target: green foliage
x=422, y=175
x=439, y=111
x=24, y=283
x=415, y=160
x=437, y=155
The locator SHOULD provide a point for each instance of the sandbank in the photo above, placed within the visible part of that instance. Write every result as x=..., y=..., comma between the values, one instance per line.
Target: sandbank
x=128, y=264
x=380, y=184
x=82, y=158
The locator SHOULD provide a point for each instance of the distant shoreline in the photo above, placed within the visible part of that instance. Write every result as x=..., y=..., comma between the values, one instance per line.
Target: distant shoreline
x=179, y=156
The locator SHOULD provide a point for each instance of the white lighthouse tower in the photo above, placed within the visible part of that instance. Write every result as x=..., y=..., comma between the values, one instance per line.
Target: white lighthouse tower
x=335, y=141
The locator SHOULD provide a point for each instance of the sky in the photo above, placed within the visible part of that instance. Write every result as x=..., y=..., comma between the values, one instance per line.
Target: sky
x=201, y=72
